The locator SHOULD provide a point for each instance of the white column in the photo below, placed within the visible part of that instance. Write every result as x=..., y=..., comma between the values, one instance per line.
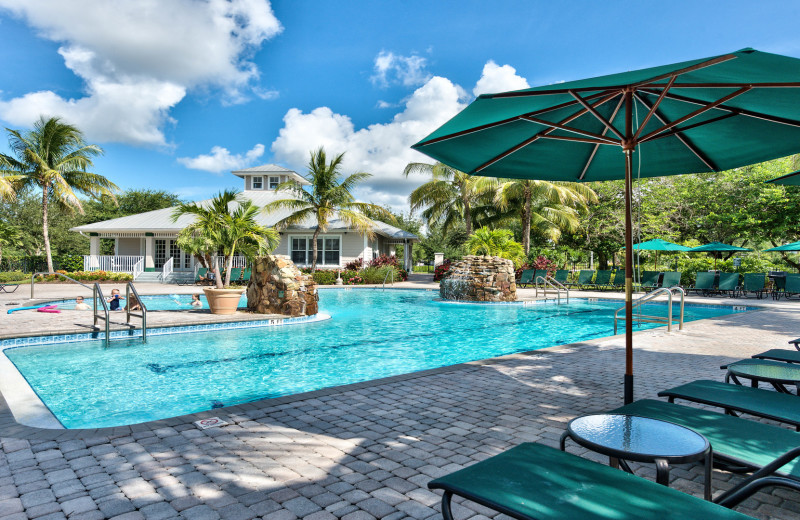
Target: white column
x=409, y=264
x=438, y=259
x=366, y=255
x=149, y=252
x=94, y=246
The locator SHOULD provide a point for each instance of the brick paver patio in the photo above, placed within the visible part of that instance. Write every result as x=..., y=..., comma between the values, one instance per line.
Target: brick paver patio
x=368, y=450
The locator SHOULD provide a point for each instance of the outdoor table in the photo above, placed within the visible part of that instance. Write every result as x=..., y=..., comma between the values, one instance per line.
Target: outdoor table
x=641, y=439
x=756, y=370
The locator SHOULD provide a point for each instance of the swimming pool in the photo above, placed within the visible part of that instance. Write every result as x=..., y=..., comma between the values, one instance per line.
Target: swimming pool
x=373, y=334
x=156, y=302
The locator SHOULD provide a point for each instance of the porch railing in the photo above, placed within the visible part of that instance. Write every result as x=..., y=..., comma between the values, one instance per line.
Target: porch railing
x=113, y=263
x=138, y=268
x=166, y=270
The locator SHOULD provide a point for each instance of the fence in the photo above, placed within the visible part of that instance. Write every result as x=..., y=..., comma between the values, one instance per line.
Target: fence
x=115, y=264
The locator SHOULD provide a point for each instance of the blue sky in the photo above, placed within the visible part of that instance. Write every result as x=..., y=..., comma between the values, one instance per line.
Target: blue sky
x=180, y=93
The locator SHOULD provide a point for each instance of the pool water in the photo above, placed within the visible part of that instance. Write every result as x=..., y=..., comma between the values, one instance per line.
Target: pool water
x=158, y=302
x=372, y=334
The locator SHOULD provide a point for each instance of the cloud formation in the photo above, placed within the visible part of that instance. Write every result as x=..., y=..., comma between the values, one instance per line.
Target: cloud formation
x=221, y=160
x=139, y=59
x=384, y=150
x=391, y=68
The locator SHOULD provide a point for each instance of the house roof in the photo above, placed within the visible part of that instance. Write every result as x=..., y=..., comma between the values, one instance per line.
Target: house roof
x=160, y=220
x=266, y=169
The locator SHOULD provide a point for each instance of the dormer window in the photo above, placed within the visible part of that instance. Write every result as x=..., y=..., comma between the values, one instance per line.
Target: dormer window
x=258, y=183
x=274, y=182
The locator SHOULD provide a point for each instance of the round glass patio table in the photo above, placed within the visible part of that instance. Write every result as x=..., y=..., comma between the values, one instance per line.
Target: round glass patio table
x=641, y=439
x=773, y=372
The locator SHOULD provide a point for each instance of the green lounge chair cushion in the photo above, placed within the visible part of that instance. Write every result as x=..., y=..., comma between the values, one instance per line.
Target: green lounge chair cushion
x=779, y=354
x=585, y=277
x=754, y=401
x=561, y=276
x=704, y=281
x=671, y=279
x=532, y=481
x=741, y=441
x=650, y=278
x=728, y=281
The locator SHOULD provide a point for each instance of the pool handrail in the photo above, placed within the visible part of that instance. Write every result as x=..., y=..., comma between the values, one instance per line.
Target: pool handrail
x=656, y=319
x=128, y=288
x=73, y=280
x=97, y=294
x=555, y=284
x=390, y=272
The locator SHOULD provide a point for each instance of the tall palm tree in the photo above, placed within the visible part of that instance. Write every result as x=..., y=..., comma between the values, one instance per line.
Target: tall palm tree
x=495, y=242
x=226, y=223
x=54, y=157
x=549, y=207
x=329, y=196
x=449, y=197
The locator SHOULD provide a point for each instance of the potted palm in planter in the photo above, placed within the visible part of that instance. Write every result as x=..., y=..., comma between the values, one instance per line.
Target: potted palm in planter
x=226, y=224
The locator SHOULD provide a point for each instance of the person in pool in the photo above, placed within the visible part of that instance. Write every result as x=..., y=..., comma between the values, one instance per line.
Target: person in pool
x=80, y=305
x=114, y=301
x=196, y=303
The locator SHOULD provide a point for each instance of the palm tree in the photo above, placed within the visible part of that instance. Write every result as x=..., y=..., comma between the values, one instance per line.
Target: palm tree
x=329, y=197
x=449, y=197
x=495, y=242
x=549, y=207
x=226, y=224
x=53, y=157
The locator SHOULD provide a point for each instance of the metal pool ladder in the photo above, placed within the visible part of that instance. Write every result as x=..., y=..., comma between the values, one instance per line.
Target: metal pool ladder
x=97, y=295
x=129, y=288
x=391, y=272
x=639, y=317
x=554, y=285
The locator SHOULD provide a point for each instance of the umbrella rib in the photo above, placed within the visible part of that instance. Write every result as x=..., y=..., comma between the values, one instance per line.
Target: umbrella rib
x=737, y=111
x=597, y=146
x=570, y=129
x=682, y=138
x=653, y=108
x=773, y=84
x=541, y=134
x=595, y=113
x=696, y=113
x=581, y=140
x=675, y=131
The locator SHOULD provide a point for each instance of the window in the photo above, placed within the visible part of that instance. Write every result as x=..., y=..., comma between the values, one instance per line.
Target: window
x=258, y=183
x=273, y=182
x=160, y=255
x=328, y=250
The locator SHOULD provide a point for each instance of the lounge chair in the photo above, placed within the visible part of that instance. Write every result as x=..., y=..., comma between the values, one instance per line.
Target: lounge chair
x=9, y=287
x=246, y=275
x=561, y=276
x=729, y=283
x=649, y=280
x=779, y=286
x=671, y=279
x=526, y=278
x=202, y=276
x=753, y=283
x=618, y=284
x=601, y=281
x=704, y=284
x=735, y=398
x=584, y=279
x=792, y=287
x=236, y=273
x=535, y=482
x=779, y=354
x=540, y=273
x=744, y=443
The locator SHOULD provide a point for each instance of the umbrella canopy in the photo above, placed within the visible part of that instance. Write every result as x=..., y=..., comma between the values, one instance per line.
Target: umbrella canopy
x=794, y=246
x=703, y=115
x=659, y=245
x=790, y=179
x=717, y=247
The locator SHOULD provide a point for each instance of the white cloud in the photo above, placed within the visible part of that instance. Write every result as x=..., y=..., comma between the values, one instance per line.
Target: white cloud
x=380, y=149
x=496, y=78
x=220, y=159
x=138, y=60
x=392, y=68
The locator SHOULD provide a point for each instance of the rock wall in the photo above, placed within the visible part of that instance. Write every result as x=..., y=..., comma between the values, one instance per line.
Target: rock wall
x=278, y=287
x=481, y=279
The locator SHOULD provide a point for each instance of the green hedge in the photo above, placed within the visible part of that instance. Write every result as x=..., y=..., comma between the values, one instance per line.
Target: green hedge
x=370, y=275
x=13, y=276
x=87, y=276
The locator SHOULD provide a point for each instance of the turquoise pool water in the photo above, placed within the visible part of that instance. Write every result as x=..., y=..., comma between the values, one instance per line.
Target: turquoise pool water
x=372, y=334
x=159, y=302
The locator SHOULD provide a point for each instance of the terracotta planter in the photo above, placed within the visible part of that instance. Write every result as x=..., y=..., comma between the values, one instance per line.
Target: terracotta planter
x=223, y=301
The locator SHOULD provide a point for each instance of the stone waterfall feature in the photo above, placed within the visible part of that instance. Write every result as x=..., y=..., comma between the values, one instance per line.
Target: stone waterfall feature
x=278, y=287
x=480, y=279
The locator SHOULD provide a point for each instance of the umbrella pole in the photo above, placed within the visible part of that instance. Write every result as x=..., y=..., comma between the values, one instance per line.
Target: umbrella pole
x=628, y=146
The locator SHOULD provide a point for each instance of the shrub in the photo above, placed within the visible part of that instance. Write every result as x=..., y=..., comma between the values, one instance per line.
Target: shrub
x=326, y=277
x=13, y=276
x=376, y=275
x=540, y=262
x=87, y=276
x=384, y=260
x=355, y=265
x=441, y=270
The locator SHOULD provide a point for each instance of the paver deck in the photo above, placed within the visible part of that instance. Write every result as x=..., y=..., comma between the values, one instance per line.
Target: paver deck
x=368, y=450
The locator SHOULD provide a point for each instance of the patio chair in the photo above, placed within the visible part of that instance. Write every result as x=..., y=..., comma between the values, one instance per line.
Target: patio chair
x=747, y=445
x=561, y=276
x=201, y=277
x=729, y=283
x=671, y=279
x=584, y=278
x=792, y=287
x=601, y=281
x=753, y=283
x=236, y=273
x=736, y=398
x=526, y=278
x=779, y=285
x=649, y=280
x=618, y=283
x=540, y=273
x=535, y=482
x=9, y=287
x=246, y=275
x=704, y=284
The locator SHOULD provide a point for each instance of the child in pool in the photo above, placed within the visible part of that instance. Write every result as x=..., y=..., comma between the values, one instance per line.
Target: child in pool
x=80, y=305
x=114, y=301
x=196, y=303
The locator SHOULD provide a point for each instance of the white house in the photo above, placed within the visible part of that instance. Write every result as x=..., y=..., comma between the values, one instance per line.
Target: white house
x=146, y=242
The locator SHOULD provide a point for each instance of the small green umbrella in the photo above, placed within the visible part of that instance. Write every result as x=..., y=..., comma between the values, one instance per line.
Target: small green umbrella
x=794, y=246
x=717, y=247
x=790, y=179
x=659, y=245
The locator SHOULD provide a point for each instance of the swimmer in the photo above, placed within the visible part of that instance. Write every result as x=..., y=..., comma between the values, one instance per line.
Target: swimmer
x=196, y=303
x=114, y=301
x=80, y=305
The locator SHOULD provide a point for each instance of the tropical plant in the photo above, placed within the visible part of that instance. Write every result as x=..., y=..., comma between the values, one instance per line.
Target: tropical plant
x=547, y=207
x=449, y=198
x=10, y=236
x=226, y=224
x=496, y=242
x=53, y=157
x=330, y=197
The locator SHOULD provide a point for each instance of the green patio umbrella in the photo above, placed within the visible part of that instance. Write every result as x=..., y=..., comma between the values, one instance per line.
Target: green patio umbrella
x=702, y=115
x=717, y=247
x=790, y=179
x=658, y=245
x=794, y=246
